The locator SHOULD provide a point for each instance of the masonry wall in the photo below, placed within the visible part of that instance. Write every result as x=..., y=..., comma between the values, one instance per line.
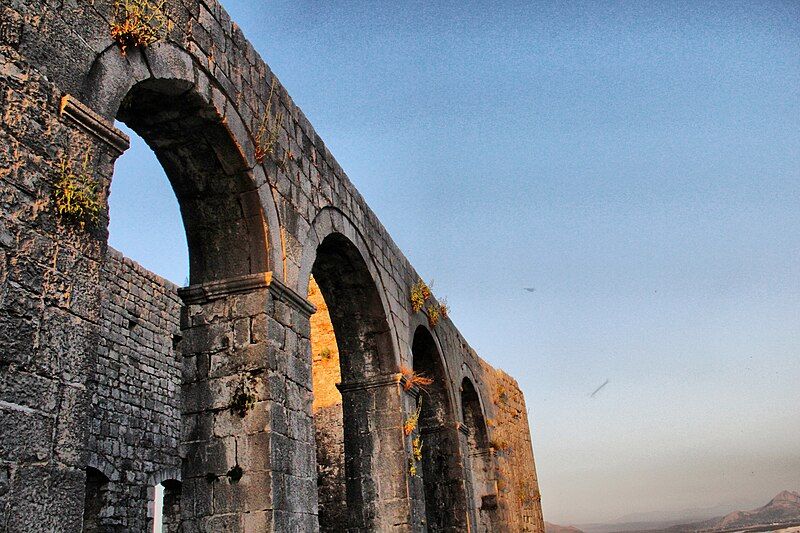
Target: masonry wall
x=510, y=438
x=135, y=421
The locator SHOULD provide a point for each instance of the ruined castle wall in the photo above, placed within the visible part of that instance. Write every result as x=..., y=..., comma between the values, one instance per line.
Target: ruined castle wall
x=135, y=402
x=510, y=439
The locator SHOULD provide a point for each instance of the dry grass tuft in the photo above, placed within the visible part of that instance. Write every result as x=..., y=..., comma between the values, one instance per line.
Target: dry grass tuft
x=138, y=23
x=414, y=379
x=267, y=133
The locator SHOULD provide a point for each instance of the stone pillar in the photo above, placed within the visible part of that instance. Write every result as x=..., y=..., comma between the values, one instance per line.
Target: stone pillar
x=446, y=493
x=486, y=497
x=248, y=432
x=379, y=493
x=49, y=298
x=470, y=475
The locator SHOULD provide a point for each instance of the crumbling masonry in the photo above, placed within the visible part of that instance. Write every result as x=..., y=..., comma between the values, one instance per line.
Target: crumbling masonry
x=272, y=393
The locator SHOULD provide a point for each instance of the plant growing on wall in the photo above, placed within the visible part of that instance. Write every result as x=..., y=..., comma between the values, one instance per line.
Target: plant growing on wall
x=416, y=448
x=414, y=379
x=420, y=293
x=410, y=423
x=433, y=315
x=416, y=455
x=267, y=133
x=412, y=467
x=138, y=23
x=76, y=194
x=444, y=308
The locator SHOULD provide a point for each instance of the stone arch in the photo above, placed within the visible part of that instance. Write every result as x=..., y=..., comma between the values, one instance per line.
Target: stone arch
x=473, y=414
x=360, y=449
x=328, y=221
x=235, y=256
x=101, y=464
x=166, y=68
x=359, y=317
x=444, y=485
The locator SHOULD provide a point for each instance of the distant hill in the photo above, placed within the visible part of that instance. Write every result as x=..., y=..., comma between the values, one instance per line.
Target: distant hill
x=783, y=509
x=555, y=528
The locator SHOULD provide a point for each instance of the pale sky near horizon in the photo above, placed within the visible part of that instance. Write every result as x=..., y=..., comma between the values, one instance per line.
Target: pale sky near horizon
x=637, y=163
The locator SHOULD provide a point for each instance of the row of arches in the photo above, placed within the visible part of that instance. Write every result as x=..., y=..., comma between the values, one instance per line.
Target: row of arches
x=363, y=456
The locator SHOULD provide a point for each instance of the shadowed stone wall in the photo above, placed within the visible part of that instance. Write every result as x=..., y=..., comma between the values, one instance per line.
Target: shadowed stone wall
x=135, y=424
x=257, y=228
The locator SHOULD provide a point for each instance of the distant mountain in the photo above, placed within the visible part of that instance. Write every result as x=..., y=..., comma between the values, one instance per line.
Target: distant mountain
x=783, y=509
x=662, y=519
x=555, y=528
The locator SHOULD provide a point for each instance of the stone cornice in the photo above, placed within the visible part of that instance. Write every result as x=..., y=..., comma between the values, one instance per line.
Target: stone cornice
x=214, y=290
x=287, y=295
x=412, y=391
x=92, y=123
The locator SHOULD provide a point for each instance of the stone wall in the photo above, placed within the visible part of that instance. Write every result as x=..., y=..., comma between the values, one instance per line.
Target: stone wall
x=134, y=429
x=510, y=439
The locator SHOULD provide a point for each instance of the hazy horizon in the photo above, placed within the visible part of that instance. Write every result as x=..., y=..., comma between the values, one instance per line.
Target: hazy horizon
x=637, y=163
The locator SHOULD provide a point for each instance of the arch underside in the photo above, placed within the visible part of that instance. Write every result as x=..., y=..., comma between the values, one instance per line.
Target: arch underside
x=345, y=443
x=220, y=206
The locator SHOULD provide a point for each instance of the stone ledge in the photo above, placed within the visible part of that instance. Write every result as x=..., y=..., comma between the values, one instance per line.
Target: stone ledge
x=484, y=452
x=72, y=108
x=214, y=290
x=289, y=296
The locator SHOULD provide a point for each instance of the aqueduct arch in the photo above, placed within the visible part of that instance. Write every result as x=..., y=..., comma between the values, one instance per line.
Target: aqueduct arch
x=103, y=359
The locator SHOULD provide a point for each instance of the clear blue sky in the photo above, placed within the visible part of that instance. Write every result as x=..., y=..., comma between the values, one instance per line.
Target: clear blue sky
x=638, y=164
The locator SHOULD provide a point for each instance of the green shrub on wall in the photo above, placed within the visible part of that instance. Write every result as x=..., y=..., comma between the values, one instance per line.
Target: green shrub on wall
x=77, y=196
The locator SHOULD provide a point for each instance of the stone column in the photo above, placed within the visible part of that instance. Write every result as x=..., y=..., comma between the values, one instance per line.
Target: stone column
x=379, y=493
x=443, y=458
x=248, y=433
x=470, y=475
x=484, y=486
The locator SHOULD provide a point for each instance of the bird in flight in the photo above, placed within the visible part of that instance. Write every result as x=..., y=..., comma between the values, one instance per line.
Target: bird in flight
x=530, y=289
x=598, y=388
